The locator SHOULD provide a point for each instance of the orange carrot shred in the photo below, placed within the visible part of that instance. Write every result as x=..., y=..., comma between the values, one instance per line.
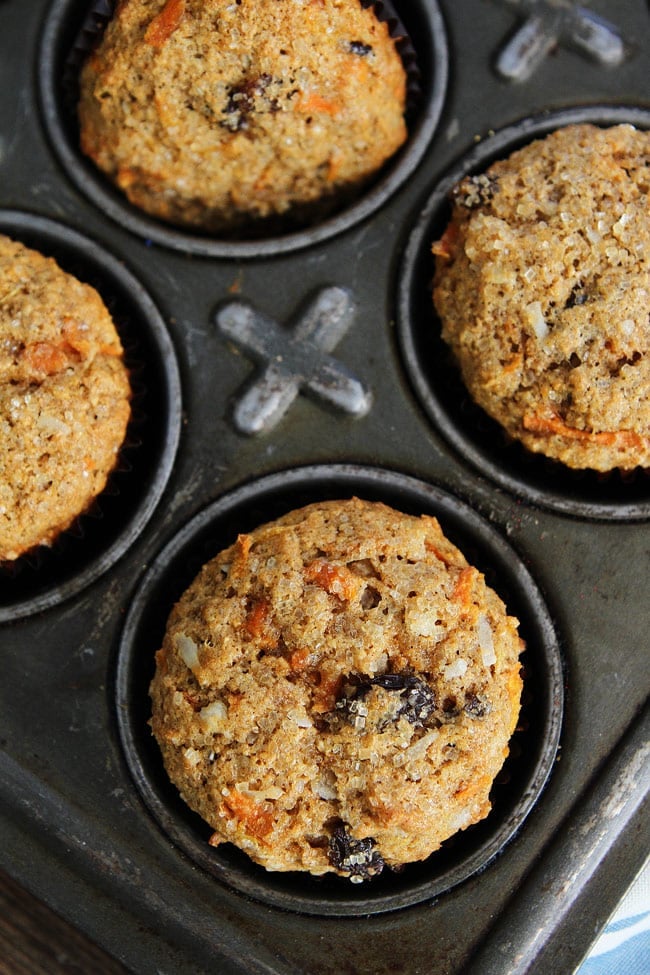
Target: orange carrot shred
x=334, y=579
x=257, y=820
x=46, y=357
x=165, y=23
x=463, y=588
x=553, y=425
x=257, y=616
x=444, y=248
x=316, y=103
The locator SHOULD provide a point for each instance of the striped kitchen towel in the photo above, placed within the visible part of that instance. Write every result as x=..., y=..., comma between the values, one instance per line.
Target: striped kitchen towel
x=623, y=948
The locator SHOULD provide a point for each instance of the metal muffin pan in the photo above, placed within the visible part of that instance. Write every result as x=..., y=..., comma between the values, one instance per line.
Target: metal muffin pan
x=88, y=820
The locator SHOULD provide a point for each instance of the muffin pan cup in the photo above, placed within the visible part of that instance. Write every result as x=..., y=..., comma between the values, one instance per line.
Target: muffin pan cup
x=533, y=747
x=272, y=373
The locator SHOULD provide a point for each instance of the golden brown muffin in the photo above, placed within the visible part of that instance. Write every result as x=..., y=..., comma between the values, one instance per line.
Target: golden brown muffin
x=216, y=115
x=336, y=691
x=542, y=285
x=64, y=398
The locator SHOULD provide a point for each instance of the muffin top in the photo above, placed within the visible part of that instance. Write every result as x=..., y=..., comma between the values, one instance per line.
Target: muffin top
x=542, y=286
x=64, y=398
x=336, y=691
x=218, y=115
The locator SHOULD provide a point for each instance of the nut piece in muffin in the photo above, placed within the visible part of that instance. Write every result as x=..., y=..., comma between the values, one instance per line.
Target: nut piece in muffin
x=542, y=285
x=336, y=691
x=64, y=398
x=216, y=115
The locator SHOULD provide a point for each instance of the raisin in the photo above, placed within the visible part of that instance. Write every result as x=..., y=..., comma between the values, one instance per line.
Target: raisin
x=241, y=102
x=475, y=707
x=476, y=191
x=578, y=296
x=359, y=860
x=349, y=706
x=359, y=48
x=370, y=598
x=418, y=700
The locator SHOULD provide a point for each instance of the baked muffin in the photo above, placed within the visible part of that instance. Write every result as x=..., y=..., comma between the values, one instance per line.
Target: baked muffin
x=542, y=285
x=217, y=115
x=64, y=398
x=336, y=691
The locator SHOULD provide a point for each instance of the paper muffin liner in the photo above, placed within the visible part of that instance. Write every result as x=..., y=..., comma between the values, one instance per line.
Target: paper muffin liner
x=426, y=87
x=616, y=495
x=46, y=574
x=532, y=747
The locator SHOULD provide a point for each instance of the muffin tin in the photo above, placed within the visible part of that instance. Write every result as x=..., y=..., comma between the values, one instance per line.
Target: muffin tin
x=275, y=372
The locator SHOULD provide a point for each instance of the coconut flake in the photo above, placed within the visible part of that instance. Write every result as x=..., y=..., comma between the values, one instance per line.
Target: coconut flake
x=424, y=623
x=486, y=641
x=49, y=425
x=187, y=650
x=417, y=750
x=325, y=786
x=456, y=669
x=299, y=717
x=259, y=795
x=213, y=716
x=537, y=320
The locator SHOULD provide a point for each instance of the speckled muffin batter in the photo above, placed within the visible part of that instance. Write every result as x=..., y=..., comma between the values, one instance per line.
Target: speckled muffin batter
x=542, y=285
x=218, y=115
x=64, y=398
x=336, y=691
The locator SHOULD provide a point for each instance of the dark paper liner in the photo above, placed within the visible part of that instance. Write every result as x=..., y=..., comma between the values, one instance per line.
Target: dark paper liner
x=533, y=747
x=47, y=575
x=481, y=441
x=70, y=32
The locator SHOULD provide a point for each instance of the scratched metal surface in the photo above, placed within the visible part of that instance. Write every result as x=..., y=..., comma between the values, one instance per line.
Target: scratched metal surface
x=281, y=371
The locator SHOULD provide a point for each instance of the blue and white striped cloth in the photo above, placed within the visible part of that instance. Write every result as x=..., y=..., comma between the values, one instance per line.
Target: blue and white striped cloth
x=624, y=946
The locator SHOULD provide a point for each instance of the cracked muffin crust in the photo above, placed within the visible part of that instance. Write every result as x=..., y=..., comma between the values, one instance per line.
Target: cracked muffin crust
x=221, y=115
x=64, y=398
x=542, y=285
x=336, y=691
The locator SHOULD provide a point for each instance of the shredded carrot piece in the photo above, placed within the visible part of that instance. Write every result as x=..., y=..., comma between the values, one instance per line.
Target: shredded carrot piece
x=241, y=549
x=165, y=23
x=334, y=167
x=47, y=357
x=463, y=589
x=334, y=579
x=445, y=247
x=514, y=684
x=472, y=788
x=77, y=338
x=126, y=177
x=316, y=103
x=326, y=693
x=256, y=819
x=257, y=617
x=298, y=659
x=441, y=556
x=554, y=426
